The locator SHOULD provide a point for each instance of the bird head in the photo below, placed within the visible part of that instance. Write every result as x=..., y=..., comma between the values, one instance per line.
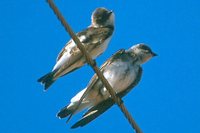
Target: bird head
x=102, y=17
x=143, y=52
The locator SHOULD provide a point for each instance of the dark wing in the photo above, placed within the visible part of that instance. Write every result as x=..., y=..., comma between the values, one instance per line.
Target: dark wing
x=99, y=109
x=95, y=34
x=93, y=113
x=92, y=36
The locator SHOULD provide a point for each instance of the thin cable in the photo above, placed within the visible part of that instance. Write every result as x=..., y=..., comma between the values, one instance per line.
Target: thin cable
x=92, y=63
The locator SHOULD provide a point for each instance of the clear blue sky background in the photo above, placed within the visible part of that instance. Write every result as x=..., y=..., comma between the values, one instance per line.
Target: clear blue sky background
x=166, y=100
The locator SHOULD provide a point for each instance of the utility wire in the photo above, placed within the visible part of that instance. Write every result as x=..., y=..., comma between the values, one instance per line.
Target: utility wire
x=92, y=63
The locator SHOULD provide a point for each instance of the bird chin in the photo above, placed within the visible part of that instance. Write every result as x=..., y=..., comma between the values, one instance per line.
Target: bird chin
x=146, y=59
x=111, y=20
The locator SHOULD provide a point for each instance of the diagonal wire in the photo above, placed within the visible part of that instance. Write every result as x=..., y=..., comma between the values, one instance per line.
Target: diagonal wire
x=92, y=63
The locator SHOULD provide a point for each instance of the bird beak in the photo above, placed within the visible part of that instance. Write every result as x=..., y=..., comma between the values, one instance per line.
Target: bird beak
x=110, y=12
x=154, y=54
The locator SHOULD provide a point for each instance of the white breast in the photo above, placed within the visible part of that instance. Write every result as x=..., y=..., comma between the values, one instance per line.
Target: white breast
x=120, y=75
x=100, y=49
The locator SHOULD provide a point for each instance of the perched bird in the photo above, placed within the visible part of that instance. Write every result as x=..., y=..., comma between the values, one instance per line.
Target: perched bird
x=95, y=39
x=123, y=71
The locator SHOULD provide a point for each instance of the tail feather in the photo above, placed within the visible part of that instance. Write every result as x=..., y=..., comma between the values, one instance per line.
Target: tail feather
x=64, y=112
x=70, y=110
x=93, y=113
x=47, y=80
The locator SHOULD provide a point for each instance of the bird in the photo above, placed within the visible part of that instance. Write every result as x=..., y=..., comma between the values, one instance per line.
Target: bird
x=95, y=38
x=123, y=71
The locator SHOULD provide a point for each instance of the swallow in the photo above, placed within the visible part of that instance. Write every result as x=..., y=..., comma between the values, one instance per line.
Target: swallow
x=123, y=71
x=95, y=39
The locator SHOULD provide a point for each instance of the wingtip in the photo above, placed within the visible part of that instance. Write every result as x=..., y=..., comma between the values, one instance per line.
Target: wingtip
x=75, y=126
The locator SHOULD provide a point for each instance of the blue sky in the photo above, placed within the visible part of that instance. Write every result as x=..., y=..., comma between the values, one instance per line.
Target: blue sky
x=166, y=100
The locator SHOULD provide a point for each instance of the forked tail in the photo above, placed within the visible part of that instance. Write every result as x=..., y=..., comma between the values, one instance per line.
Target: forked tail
x=47, y=80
